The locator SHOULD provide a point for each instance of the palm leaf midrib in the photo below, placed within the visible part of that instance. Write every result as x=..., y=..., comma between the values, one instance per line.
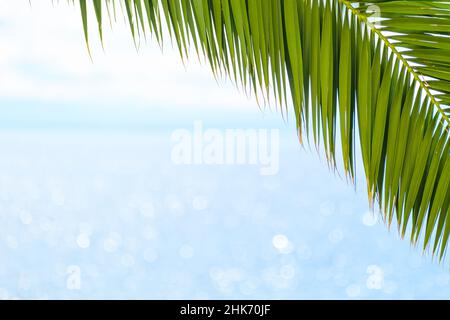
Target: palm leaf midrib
x=416, y=75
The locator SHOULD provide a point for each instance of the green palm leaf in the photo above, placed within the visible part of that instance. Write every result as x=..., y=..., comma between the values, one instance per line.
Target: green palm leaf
x=375, y=73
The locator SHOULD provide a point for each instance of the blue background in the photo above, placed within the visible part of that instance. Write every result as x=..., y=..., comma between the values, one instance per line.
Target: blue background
x=103, y=197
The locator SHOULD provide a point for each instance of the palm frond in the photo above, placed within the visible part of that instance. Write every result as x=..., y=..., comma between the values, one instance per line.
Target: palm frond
x=373, y=72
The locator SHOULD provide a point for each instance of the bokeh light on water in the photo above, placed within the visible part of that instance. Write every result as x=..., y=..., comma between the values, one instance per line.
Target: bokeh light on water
x=108, y=216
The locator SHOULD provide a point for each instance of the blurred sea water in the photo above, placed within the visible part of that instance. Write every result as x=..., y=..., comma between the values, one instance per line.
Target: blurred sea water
x=105, y=214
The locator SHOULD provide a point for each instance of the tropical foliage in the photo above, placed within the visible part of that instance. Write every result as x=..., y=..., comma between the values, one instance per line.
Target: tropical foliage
x=373, y=73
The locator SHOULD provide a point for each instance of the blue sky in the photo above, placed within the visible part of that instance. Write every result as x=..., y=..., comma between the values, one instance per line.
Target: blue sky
x=91, y=205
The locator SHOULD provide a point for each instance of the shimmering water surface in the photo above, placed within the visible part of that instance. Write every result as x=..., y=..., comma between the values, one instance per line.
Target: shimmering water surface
x=107, y=215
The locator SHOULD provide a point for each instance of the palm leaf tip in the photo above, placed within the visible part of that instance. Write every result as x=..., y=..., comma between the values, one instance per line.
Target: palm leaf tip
x=375, y=73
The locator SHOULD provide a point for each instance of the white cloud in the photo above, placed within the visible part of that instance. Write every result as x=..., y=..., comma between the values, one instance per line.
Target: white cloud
x=43, y=57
